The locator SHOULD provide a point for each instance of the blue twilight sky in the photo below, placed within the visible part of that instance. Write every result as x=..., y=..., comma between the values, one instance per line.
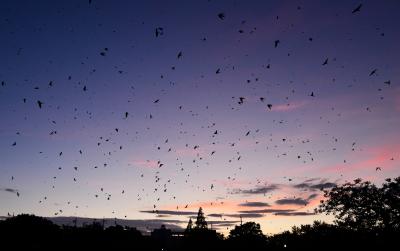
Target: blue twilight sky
x=242, y=107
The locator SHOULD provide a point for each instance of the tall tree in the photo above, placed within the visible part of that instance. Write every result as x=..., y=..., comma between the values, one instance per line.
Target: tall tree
x=189, y=226
x=201, y=222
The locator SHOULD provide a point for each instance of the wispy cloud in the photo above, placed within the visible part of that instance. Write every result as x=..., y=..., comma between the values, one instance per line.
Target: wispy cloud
x=289, y=106
x=257, y=190
x=146, y=163
x=254, y=204
x=295, y=213
x=238, y=215
x=220, y=224
x=294, y=201
x=248, y=215
x=169, y=212
x=278, y=212
x=312, y=196
x=190, y=152
x=215, y=215
x=232, y=184
x=312, y=185
x=266, y=210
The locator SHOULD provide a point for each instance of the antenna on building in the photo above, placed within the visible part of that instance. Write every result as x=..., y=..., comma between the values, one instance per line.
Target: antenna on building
x=241, y=222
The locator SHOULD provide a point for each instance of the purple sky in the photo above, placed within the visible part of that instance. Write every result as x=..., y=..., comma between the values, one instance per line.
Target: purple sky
x=320, y=108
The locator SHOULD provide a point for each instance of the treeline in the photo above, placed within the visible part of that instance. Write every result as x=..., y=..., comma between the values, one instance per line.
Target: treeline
x=367, y=217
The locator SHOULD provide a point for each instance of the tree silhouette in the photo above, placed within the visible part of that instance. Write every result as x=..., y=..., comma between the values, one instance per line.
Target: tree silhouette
x=200, y=237
x=248, y=230
x=201, y=222
x=367, y=218
x=30, y=222
x=247, y=236
x=361, y=205
x=27, y=231
x=189, y=227
x=391, y=203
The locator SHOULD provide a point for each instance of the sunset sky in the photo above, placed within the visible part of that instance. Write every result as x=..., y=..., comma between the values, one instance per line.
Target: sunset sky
x=245, y=108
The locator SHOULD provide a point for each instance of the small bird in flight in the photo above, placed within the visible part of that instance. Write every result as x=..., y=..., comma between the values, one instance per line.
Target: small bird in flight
x=179, y=54
x=373, y=72
x=357, y=9
x=159, y=31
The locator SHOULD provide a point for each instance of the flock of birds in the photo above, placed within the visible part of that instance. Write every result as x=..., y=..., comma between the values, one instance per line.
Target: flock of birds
x=199, y=155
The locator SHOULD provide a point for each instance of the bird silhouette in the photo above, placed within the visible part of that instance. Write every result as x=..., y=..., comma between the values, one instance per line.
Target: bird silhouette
x=357, y=9
x=159, y=31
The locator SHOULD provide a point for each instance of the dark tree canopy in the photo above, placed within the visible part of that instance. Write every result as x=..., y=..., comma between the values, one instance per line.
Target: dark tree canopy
x=361, y=205
x=246, y=230
x=317, y=229
x=30, y=222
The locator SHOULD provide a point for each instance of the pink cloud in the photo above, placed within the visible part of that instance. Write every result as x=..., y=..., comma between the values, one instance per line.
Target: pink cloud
x=289, y=106
x=146, y=163
x=378, y=157
x=232, y=184
x=189, y=152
